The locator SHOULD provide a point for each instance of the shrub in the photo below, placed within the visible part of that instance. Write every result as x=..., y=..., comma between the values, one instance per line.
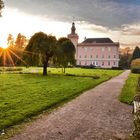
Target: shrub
x=11, y=69
x=117, y=68
x=95, y=77
x=68, y=74
x=135, y=66
x=135, y=70
x=88, y=66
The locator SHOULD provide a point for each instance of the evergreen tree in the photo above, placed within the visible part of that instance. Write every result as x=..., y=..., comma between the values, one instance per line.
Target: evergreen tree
x=136, y=53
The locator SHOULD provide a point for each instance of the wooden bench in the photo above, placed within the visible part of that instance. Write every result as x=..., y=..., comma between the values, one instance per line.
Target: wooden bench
x=136, y=103
x=136, y=106
x=136, y=111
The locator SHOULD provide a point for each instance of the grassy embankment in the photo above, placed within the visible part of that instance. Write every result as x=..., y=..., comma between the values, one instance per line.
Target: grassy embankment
x=129, y=89
x=26, y=95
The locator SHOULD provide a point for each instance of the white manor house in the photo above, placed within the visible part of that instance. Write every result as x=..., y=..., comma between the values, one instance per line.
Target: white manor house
x=101, y=52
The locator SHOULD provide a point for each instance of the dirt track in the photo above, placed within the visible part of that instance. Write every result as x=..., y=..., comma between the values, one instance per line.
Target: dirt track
x=95, y=115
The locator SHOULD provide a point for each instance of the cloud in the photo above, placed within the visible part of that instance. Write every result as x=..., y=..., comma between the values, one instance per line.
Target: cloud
x=92, y=27
x=133, y=29
x=117, y=19
x=109, y=13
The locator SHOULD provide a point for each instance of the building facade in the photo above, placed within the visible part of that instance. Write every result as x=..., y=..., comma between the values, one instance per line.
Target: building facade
x=100, y=52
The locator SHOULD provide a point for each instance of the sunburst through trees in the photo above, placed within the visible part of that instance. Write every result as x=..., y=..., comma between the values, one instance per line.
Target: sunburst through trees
x=11, y=54
x=40, y=50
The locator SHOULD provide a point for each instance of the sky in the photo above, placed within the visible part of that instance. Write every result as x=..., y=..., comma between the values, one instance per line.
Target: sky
x=117, y=19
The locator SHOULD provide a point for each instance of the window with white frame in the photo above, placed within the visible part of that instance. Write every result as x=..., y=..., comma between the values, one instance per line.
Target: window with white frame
x=85, y=49
x=109, y=49
x=103, y=49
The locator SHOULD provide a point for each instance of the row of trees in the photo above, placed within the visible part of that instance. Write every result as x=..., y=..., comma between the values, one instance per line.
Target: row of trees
x=127, y=57
x=20, y=41
x=41, y=50
x=14, y=51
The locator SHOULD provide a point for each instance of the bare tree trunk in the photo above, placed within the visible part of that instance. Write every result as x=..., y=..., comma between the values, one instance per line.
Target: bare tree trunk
x=44, y=69
x=64, y=69
x=45, y=65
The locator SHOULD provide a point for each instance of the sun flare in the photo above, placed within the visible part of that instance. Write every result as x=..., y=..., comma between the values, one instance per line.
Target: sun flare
x=3, y=44
x=4, y=47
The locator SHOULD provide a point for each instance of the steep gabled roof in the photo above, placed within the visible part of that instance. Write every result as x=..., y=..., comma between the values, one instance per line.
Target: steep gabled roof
x=98, y=40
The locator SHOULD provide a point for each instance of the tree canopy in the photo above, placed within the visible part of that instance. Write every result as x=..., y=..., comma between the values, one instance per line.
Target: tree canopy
x=40, y=49
x=65, y=53
x=1, y=6
x=136, y=53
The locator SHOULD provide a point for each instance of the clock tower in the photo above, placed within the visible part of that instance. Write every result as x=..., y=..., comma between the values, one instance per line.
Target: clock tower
x=73, y=37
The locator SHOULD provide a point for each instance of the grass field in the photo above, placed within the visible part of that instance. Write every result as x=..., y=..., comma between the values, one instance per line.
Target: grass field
x=26, y=95
x=129, y=89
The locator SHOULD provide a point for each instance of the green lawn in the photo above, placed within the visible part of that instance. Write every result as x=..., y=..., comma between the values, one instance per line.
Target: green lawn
x=26, y=95
x=129, y=89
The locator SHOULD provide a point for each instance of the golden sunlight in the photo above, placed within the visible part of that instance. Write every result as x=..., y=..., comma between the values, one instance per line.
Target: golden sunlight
x=3, y=44
x=4, y=47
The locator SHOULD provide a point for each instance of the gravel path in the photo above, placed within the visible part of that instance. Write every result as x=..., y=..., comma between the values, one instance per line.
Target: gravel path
x=95, y=115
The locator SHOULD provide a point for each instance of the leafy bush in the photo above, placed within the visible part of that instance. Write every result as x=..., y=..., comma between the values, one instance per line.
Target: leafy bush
x=117, y=68
x=10, y=69
x=68, y=74
x=135, y=66
x=88, y=67
x=135, y=70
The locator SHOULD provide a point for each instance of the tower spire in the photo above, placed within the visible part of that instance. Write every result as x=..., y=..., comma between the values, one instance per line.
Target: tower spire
x=73, y=29
x=73, y=36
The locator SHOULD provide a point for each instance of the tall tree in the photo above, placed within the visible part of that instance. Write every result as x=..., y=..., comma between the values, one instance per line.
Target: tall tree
x=65, y=53
x=136, y=53
x=125, y=60
x=21, y=41
x=10, y=40
x=40, y=47
x=1, y=6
